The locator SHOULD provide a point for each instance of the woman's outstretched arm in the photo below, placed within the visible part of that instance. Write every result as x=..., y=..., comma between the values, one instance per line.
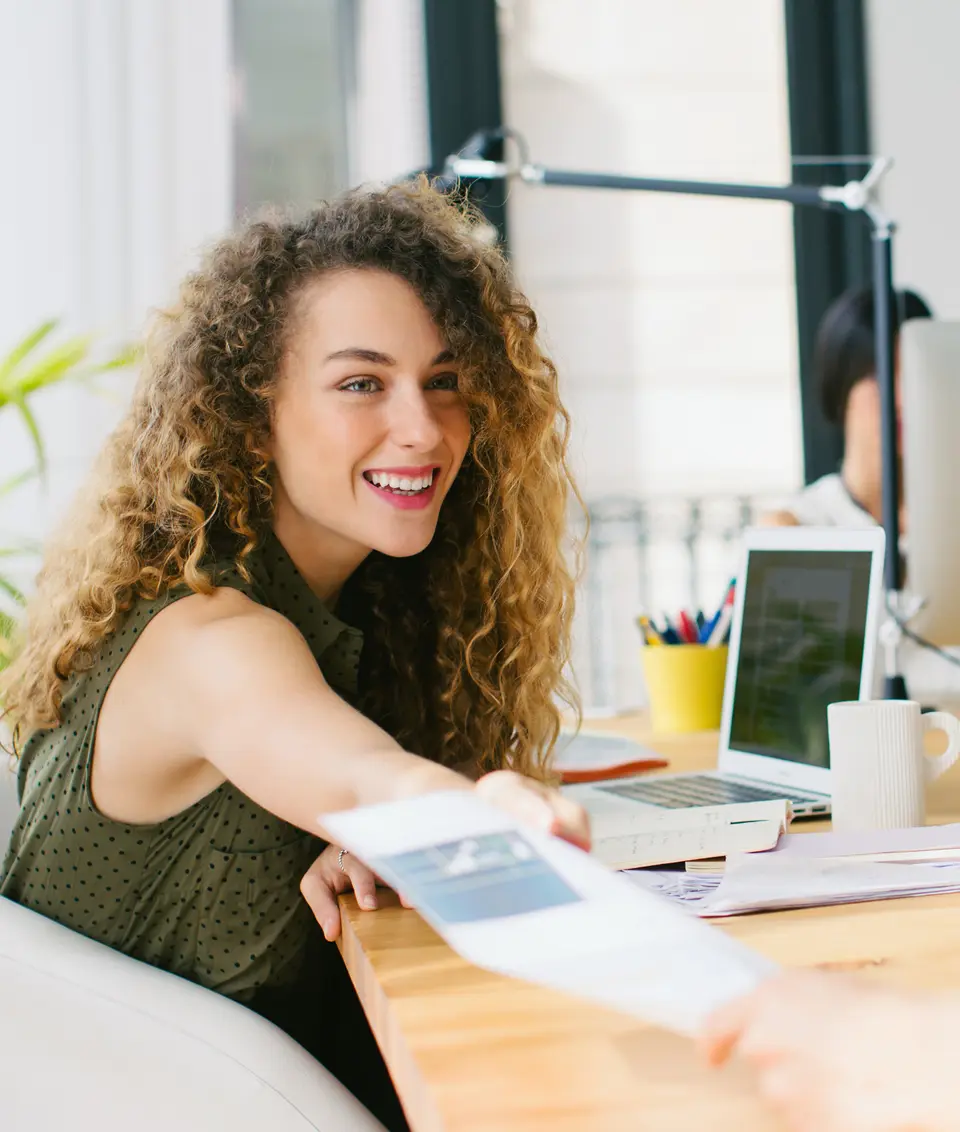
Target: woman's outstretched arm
x=220, y=687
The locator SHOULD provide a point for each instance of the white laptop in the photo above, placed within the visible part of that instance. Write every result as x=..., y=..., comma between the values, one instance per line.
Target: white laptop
x=803, y=635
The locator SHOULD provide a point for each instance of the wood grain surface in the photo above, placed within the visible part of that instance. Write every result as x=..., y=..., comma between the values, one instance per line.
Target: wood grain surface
x=471, y=1051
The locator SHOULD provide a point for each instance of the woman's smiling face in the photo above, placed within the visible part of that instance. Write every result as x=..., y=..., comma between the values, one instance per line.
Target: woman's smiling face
x=369, y=428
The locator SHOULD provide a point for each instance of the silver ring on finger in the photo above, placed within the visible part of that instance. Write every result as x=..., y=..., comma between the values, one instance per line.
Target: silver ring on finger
x=340, y=860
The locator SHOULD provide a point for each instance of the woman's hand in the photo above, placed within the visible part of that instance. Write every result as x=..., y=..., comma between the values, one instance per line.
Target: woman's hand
x=838, y=1054
x=525, y=798
x=537, y=805
x=324, y=881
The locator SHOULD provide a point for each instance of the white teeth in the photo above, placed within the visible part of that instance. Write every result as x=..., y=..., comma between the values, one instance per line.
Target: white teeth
x=402, y=483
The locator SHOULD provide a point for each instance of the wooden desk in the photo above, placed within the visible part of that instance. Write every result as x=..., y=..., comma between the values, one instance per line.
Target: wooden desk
x=471, y=1051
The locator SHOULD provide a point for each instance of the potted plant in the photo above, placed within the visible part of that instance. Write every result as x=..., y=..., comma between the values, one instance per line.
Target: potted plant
x=34, y=364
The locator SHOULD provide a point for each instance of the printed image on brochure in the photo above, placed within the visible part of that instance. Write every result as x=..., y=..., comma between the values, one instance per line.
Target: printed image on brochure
x=477, y=878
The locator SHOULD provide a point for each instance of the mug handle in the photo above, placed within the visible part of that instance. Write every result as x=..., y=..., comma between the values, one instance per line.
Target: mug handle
x=941, y=721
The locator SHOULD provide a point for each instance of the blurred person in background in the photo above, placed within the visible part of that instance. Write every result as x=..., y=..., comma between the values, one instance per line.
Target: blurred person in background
x=834, y=1053
x=845, y=367
x=845, y=370
x=319, y=566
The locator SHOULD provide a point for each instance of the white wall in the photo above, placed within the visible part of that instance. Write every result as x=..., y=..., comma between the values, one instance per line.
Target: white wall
x=915, y=119
x=115, y=120
x=387, y=105
x=672, y=319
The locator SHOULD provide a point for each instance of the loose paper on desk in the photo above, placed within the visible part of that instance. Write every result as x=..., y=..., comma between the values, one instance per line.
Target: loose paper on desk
x=641, y=836
x=517, y=901
x=929, y=844
x=766, y=882
x=910, y=846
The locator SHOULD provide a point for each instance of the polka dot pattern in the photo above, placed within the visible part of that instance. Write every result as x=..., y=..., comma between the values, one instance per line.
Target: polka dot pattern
x=213, y=892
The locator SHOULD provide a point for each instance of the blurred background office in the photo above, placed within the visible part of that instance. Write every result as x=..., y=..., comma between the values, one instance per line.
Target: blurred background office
x=683, y=328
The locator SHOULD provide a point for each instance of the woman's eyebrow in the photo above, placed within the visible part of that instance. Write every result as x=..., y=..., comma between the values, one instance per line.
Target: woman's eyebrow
x=360, y=354
x=376, y=358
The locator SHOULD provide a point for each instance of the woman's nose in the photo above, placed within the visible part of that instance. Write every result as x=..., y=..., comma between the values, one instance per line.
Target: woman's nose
x=414, y=423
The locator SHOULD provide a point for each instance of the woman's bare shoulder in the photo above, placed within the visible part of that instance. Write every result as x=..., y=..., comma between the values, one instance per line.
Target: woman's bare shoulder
x=196, y=657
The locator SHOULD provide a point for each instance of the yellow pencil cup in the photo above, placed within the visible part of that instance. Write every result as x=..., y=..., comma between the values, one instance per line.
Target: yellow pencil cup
x=685, y=686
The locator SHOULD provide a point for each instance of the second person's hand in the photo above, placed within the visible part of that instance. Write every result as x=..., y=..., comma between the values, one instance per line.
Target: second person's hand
x=834, y=1053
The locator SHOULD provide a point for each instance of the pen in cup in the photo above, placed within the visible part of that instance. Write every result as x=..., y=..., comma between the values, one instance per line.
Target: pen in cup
x=690, y=627
x=718, y=633
x=648, y=631
x=687, y=628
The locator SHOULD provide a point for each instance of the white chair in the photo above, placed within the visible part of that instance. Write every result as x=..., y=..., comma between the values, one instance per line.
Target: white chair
x=94, y=1041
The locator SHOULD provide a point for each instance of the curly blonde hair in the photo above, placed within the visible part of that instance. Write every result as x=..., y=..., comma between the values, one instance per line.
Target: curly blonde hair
x=466, y=643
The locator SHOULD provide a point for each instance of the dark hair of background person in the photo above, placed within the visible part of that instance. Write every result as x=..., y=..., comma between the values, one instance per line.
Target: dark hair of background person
x=844, y=352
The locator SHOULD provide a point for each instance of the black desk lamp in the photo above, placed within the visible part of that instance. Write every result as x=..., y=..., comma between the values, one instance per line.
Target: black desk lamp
x=471, y=164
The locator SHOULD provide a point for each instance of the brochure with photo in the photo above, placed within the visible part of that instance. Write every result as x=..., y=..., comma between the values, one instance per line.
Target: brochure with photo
x=520, y=902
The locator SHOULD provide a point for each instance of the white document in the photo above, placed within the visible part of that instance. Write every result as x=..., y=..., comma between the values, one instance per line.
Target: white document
x=923, y=843
x=692, y=890
x=629, y=839
x=517, y=901
x=769, y=881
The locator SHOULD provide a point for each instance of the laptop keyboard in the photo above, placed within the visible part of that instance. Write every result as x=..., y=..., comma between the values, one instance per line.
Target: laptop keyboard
x=701, y=790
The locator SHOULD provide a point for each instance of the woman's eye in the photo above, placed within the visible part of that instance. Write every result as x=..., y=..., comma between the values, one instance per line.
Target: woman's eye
x=445, y=381
x=360, y=385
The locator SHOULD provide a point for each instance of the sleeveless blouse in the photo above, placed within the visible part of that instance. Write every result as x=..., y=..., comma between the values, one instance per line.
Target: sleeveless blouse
x=212, y=893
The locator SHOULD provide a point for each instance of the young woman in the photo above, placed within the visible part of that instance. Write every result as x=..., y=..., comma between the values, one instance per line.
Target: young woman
x=319, y=567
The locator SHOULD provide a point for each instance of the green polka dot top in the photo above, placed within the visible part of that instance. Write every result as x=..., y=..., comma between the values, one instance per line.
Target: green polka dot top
x=213, y=892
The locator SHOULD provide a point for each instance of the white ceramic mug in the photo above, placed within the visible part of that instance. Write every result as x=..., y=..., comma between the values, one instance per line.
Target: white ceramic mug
x=878, y=769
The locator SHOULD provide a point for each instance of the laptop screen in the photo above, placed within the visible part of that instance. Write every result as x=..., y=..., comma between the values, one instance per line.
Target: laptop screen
x=801, y=648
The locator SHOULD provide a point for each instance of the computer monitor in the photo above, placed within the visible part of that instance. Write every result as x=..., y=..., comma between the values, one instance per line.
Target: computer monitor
x=930, y=414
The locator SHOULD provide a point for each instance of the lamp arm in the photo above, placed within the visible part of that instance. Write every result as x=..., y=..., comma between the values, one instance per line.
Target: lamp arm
x=854, y=196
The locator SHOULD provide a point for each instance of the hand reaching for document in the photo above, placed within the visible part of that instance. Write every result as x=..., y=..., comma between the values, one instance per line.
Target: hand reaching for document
x=839, y=1054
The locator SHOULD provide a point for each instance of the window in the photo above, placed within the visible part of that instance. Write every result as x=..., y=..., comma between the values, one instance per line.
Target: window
x=292, y=64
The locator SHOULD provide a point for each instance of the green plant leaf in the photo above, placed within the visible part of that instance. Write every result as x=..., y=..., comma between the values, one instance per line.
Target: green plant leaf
x=22, y=374
x=11, y=590
x=25, y=347
x=125, y=356
x=8, y=629
x=16, y=481
x=52, y=368
x=34, y=429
